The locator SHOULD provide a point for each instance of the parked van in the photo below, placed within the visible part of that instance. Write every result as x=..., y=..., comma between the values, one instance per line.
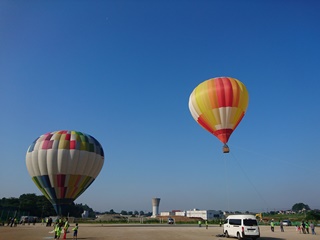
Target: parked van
x=241, y=226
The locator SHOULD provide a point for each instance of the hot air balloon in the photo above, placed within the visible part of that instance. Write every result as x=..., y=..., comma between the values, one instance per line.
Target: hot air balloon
x=63, y=164
x=218, y=105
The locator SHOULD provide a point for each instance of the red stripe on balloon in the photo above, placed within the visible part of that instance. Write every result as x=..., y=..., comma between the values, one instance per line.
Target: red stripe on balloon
x=50, y=143
x=45, y=144
x=62, y=192
x=224, y=92
x=61, y=178
x=68, y=136
x=223, y=134
x=204, y=124
x=48, y=137
x=73, y=144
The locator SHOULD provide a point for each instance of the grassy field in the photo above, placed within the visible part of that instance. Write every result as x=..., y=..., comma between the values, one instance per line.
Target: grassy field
x=294, y=218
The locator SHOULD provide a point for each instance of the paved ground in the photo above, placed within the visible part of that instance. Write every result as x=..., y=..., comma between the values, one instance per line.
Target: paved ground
x=143, y=232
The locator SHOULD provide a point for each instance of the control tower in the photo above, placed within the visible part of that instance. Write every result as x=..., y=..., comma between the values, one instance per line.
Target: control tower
x=155, y=207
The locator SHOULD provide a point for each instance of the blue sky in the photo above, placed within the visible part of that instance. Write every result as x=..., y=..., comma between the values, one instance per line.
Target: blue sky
x=122, y=71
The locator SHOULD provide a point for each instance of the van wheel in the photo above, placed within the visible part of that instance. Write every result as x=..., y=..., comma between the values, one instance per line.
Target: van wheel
x=227, y=235
x=238, y=236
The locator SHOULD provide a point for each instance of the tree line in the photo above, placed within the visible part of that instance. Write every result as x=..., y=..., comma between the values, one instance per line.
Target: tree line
x=124, y=212
x=38, y=206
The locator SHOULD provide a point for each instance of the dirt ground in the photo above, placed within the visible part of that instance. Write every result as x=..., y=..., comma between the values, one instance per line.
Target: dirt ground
x=143, y=232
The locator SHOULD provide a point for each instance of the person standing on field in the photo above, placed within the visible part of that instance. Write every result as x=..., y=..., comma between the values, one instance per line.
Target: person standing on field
x=57, y=231
x=272, y=225
x=303, y=227
x=281, y=226
x=307, y=227
x=65, y=229
x=312, y=228
x=75, y=232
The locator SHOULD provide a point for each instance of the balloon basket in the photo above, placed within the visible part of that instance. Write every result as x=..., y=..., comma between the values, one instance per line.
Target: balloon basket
x=225, y=149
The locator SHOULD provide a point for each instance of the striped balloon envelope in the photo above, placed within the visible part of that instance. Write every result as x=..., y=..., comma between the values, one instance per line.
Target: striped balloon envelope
x=218, y=105
x=63, y=164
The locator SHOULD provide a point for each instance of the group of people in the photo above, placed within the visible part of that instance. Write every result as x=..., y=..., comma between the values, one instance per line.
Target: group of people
x=303, y=228
x=12, y=222
x=63, y=225
x=49, y=222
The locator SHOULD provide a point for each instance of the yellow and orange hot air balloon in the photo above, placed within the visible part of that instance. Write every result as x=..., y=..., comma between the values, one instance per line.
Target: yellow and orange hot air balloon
x=218, y=105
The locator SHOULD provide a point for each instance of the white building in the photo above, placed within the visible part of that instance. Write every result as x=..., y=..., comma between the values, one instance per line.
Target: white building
x=85, y=214
x=204, y=214
x=180, y=213
x=166, y=214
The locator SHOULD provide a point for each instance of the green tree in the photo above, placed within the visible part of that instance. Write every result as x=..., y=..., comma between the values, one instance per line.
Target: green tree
x=299, y=206
x=45, y=207
x=9, y=206
x=28, y=203
x=85, y=207
x=74, y=210
x=124, y=212
x=313, y=215
x=33, y=205
x=10, y=203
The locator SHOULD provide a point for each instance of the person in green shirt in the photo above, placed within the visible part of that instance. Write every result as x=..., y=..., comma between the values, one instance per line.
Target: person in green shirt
x=57, y=231
x=75, y=232
x=307, y=227
x=65, y=228
x=272, y=225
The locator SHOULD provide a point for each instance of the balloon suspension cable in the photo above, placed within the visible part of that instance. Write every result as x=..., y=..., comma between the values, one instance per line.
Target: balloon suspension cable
x=225, y=148
x=227, y=183
x=249, y=180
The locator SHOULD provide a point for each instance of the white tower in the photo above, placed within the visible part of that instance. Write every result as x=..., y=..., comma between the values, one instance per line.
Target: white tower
x=155, y=207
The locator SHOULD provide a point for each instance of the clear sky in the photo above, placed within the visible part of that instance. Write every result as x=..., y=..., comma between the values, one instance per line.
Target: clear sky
x=123, y=71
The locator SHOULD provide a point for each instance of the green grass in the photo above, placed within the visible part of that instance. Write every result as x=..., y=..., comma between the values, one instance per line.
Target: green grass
x=295, y=219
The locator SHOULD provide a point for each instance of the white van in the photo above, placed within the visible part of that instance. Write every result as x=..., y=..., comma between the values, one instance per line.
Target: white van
x=241, y=226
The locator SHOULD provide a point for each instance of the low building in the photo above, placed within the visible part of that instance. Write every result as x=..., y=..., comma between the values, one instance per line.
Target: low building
x=204, y=214
x=166, y=214
x=180, y=213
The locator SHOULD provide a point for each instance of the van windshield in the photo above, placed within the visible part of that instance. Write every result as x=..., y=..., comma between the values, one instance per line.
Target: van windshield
x=250, y=222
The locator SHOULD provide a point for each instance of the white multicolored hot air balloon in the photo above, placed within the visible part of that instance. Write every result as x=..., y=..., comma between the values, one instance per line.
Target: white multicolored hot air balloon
x=63, y=164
